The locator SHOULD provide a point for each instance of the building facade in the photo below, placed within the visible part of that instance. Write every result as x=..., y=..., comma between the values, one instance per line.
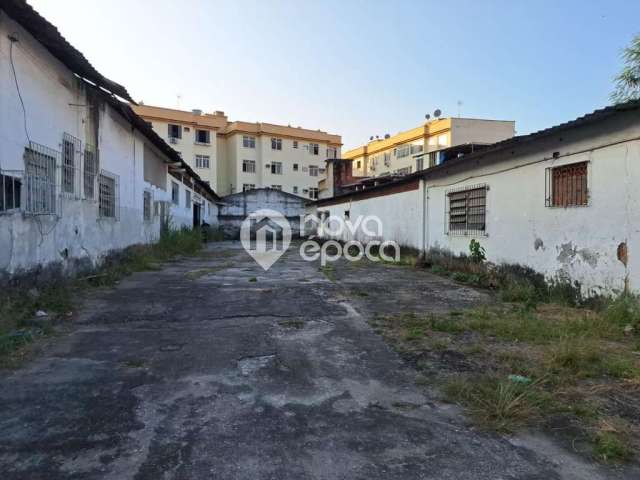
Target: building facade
x=563, y=201
x=238, y=156
x=81, y=175
x=417, y=149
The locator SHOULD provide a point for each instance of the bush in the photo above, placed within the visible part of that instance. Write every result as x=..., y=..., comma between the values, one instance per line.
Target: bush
x=624, y=310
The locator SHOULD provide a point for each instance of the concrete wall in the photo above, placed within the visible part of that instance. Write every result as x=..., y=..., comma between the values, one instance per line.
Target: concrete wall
x=580, y=243
x=236, y=207
x=56, y=102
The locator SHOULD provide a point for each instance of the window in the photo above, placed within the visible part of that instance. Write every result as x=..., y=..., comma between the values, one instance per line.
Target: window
x=467, y=210
x=276, y=187
x=10, y=190
x=359, y=164
x=402, y=151
x=146, y=205
x=70, y=146
x=187, y=199
x=90, y=171
x=203, y=136
x=403, y=171
x=567, y=186
x=433, y=159
x=387, y=159
x=313, y=170
x=416, y=149
x=202, y=161
x=419, y=163
x=314, y=148
x=347, y=214
x=248, y=186
x=276, y=144
x=175, y=193
x=295, y=189
x=276, y=168
x=295, y=167
x=295, y=144
x=313, y=193
x=248, y=141
x=249, y=166
x=40, y=179
x=332, y=152
x=107, y=195
x=175, y=131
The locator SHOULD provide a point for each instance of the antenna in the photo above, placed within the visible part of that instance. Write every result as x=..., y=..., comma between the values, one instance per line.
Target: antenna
x=178, y=98
x=437, y=112
x=459, y=107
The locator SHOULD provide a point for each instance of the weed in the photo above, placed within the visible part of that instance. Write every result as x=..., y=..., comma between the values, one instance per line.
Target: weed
x=329, y=272
x=297, y=324
x=414, y=333
x=624, y=310
x=477, y=252
x=253, y=279
x=611, y=446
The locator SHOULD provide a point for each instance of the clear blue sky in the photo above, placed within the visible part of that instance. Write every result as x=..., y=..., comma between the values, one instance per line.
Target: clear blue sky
x=357, y=68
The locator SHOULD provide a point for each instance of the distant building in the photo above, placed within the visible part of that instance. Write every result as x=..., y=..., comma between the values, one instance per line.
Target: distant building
x=235, y=156
x=418, y=148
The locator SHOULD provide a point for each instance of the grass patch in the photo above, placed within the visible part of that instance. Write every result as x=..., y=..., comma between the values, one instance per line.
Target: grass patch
x=513, y=366
x=329, y=271
x=18, y=306
x=295, y=324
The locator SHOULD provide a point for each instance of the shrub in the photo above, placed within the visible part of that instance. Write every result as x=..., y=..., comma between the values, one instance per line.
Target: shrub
x=624, y=310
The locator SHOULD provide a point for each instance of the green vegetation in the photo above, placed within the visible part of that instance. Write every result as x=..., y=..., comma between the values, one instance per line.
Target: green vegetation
x=18, y=306
x=518, y=366
x=329, y=272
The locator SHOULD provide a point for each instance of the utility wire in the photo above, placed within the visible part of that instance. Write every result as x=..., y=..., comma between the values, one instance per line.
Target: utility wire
x=12, y=40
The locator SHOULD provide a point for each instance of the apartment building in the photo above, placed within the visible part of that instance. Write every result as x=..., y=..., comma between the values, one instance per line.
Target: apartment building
x=238, y=156
x=421, y=147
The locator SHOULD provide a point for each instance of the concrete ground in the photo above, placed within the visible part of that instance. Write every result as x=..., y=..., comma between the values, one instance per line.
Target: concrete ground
x=212, y=368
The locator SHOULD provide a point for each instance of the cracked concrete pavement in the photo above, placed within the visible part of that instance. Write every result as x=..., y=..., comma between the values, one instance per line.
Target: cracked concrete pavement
x=212, y=368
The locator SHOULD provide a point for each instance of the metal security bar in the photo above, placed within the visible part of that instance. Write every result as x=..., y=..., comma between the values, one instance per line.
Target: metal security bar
x=567, y=185
x=10, y=190
x=147, y=201
x=90, y=169
x=109, y=195
x=70, y=167
x=40, y=180
x=467, y=210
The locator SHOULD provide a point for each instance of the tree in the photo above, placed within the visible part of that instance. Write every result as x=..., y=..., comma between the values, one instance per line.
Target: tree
x=628, y=80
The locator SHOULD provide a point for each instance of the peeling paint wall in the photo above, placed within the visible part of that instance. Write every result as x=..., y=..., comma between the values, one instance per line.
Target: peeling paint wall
x=56, y=102
x=593, y=245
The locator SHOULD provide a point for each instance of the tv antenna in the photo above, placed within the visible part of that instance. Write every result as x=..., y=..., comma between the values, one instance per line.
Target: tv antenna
x=459, y=107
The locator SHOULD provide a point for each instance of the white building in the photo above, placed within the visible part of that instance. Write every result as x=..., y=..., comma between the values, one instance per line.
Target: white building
x=237, y=156
x=564, y=201
x=81, y=175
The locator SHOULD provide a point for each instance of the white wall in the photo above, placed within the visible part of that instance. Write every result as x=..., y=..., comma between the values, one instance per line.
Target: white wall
x=580, y=243
x=55, y=103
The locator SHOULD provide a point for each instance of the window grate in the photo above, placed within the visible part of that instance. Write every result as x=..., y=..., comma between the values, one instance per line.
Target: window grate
x=90, y=171
x=108, y=195
x=147, y=201
x=467, y=210
x=40, y=179
x=567, y=185
x=70, y=167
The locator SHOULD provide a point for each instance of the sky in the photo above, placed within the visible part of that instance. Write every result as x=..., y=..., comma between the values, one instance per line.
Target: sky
x=353, y=67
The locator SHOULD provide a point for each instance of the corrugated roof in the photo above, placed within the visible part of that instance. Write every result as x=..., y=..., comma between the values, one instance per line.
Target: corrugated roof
x=49, y=36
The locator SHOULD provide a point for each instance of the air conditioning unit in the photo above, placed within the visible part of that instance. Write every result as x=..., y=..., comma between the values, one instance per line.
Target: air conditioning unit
x=322, y=170
x=173, y=140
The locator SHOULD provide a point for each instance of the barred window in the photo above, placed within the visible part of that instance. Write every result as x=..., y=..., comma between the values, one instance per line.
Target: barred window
x=276, y=168
x=403, y=151
x=249, y=166
x=108, y=195
x=174, y=131
x=314, y=148
x=187, y=199
x=203, y=136
x=147, y=200
x=248, y=186
x=566, y=186
x=276, y=144
x=40, y=179
x=90, y=171
x=175, y=193
x=313, y=193
x=467, y=210
x=313, y=170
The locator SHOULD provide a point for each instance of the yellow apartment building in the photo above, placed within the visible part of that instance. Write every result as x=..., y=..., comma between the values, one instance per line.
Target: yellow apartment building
x=234, y=156
x=417, y=149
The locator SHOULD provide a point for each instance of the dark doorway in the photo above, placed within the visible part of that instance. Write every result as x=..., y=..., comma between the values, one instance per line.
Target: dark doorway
x=197, y=215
